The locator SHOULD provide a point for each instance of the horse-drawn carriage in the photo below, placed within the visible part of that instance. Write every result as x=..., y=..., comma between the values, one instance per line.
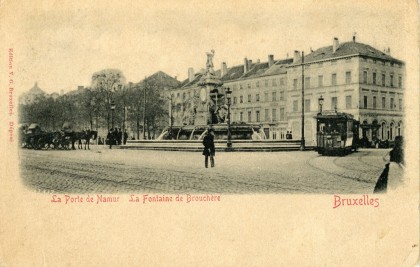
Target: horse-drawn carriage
x=33, y=137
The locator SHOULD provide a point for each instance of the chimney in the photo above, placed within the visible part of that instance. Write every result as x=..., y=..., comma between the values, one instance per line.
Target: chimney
x=190, y=74
x=335, y=44
x=270, y=60
x=388, y=51
x=246, y=65
x=223, y=69
x=249, y=64
x=296, y=57
x=258, y=61
x=354, y=38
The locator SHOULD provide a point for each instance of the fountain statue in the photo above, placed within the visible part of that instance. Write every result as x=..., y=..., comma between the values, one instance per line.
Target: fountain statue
x=209, y=108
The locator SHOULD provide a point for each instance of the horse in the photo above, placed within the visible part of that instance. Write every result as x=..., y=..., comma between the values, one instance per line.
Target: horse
x=86, y=136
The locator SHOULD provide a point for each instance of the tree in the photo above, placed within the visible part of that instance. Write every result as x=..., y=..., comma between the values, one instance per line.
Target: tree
x=148, y=105
x=106, y=82
x=134, y=103
x=155, y=109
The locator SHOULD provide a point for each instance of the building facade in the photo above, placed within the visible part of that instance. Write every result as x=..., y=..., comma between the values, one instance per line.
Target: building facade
x=351, y=77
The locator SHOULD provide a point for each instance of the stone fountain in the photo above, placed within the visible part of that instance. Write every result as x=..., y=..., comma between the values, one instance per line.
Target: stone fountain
x=210, y=110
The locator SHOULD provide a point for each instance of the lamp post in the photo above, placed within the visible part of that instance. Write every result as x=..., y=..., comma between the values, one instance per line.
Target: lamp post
x=229, y=134
x=144, y=108
x=320, y=103
x=302, y=141
x=171, y=118
x=112, y=113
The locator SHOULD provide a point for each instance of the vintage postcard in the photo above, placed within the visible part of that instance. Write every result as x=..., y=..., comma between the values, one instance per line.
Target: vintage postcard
x=222, y=133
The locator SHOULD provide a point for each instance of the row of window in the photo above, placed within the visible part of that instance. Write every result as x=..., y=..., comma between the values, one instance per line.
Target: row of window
x=383, y=81
x=320, y=64
x=257, y=97
x=381, y=62
x=307, y=81
x=374, y=104
x=387, y=133
x=184, y=95
x=256, y=117
x=334, y=104
x=265, y=83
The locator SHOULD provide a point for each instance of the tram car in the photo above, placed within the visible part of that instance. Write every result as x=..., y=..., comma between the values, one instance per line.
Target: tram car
x=337, y=133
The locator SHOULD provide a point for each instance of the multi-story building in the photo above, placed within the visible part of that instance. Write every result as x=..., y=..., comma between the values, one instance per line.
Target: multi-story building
x=258, y=94
x=351, y=77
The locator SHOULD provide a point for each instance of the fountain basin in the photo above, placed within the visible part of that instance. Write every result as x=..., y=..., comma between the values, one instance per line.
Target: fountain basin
x=220, y=145
x=196, y=132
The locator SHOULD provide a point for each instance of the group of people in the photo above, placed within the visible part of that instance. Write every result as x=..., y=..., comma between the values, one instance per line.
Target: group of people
x=116, y=137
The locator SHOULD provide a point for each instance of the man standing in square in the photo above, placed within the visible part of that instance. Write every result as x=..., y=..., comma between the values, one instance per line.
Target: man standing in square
x=209, y=150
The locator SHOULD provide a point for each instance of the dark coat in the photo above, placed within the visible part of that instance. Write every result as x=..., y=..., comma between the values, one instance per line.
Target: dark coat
x=382, y=183
x=208, y=143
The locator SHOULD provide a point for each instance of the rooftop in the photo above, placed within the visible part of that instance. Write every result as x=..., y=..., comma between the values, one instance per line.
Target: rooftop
x=347, y=49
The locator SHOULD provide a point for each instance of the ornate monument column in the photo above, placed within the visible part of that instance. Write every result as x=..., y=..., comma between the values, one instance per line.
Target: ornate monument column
x=210, y=98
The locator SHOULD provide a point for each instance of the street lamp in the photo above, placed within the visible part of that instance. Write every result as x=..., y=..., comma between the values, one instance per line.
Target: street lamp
x=144, y=108
x=171, y=119
x=302, y=141
x=320, y=103
x=229, y=136
x=112, y=113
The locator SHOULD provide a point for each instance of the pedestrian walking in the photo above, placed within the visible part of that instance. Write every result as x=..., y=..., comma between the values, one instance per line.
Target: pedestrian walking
x=209, y=150
x=110, y=138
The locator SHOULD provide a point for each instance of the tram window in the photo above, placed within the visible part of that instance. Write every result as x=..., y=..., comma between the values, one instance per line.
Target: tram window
x=340, y=127
x=328, y=128
x=321, y=127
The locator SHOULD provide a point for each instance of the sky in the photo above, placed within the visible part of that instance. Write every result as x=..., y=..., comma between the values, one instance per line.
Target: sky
x=60, y=44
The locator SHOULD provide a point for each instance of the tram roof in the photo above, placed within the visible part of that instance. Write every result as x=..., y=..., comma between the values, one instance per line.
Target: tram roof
x=334, y=115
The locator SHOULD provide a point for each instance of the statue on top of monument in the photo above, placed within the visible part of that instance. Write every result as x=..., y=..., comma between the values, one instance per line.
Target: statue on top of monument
x=209, y=64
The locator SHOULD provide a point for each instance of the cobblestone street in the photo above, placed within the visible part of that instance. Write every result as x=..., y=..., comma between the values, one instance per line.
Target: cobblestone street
x=101, y=170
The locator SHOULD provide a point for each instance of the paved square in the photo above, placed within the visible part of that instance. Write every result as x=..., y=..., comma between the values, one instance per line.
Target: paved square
x=101, y=170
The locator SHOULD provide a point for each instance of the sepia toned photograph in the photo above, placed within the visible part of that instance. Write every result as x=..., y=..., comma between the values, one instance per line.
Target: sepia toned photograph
x=211, y=104
x=327, y=118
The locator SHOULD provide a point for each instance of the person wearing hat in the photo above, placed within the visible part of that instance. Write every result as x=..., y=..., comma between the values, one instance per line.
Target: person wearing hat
x=110, y=138
x=209, y=150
